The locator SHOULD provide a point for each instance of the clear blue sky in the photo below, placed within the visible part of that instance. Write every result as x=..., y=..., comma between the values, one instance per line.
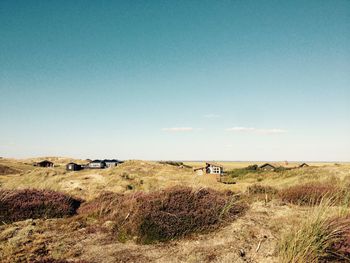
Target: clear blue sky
x=219, y=80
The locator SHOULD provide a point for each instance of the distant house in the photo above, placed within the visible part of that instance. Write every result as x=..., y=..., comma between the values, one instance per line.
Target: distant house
x=96, y=164
x=210, y=168
x=267, y=167
x=214, y=168
x=44, y=163
x=303, y=165
x=111, y=163
x=73, y=167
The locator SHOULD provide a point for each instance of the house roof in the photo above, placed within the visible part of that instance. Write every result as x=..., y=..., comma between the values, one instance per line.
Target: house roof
x=199, y=168
x=96, y=161
x=45, y=161
x=111, y=161
x=214, y=164
x=267, y=164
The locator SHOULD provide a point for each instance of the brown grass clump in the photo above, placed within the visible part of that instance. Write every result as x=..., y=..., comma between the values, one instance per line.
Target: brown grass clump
x=340, y=248
x=165, y=214
x=308, y=194
x=51, y=260
x=5, y=170
x=261, y=189
x=258, y=192
x=16, y=205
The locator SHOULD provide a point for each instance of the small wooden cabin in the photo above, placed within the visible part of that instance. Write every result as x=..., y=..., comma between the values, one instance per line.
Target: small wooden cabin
x=267, y=167
x=111, y=163
x=214, y=168
x=73, y=167
x=44, y=163
x=210, y=168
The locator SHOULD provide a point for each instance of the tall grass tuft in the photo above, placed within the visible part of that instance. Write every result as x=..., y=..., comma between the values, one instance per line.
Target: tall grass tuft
x=319, y=238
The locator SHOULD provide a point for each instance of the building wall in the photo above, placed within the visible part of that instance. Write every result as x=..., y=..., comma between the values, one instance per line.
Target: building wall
x=215, y=170
x=268, y=168
x=96, y=165
x=111, y=164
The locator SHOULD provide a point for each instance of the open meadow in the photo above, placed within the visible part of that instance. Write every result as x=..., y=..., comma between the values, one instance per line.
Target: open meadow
x=143, y=211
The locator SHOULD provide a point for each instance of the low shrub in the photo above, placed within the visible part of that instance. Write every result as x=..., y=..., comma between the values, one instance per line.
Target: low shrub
x=261, y=189
x=166, y=214
x=253, y=167
x=259, y=192
x=280, y=169
x=241, y=172
x=5, y=170
x=308, y=194
x=16, y=205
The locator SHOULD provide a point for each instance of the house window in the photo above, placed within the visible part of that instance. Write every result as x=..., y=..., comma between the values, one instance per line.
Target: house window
x=216, y=170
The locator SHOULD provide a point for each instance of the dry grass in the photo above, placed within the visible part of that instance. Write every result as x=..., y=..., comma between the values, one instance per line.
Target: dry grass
x=5, y=170
x=318, y=238
x=52, y=260
x=130, y=176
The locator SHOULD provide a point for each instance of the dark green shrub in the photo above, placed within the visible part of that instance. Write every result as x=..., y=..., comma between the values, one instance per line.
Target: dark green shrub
x=253, y=167
x=242, y=172
x=280, y=169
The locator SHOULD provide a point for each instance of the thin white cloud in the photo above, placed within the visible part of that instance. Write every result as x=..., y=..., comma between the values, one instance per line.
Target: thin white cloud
x=211, y=116
x=255, y=130
x=178, y=129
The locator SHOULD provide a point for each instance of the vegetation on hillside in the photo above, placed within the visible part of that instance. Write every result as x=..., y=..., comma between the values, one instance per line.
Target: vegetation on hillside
x=18, y=205
x=146, y=202
x=311, y=193
x=322, y=236
x=166, y=214
x=179, y=164
x=5, y=170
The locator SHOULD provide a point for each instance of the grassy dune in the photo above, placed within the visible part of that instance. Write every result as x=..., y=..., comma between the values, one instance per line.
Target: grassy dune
x=268, y=231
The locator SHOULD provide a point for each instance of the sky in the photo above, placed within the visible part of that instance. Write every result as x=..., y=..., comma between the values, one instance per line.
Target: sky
x=176, y=80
